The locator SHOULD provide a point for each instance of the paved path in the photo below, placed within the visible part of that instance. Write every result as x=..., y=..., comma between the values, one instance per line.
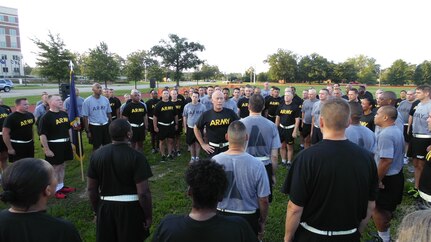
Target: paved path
x=53, y=89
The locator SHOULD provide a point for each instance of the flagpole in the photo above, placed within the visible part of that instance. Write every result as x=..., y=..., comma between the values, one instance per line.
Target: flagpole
x=80, y=155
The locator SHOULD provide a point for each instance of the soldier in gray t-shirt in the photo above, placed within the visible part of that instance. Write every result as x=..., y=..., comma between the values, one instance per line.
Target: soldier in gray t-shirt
x=191, y=113
x=357, y=133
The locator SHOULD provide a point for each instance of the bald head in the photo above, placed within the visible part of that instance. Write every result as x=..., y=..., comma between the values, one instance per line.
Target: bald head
x=217, y=99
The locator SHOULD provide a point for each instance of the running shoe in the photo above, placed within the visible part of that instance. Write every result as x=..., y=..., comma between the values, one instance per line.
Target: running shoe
x=178, y=153
x=163, y=159
x=67, y=189
x=60, y=195
x=170, y=157
x=413, y=192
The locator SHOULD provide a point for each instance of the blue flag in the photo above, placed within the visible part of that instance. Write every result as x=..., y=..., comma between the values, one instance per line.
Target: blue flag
x=75, y=120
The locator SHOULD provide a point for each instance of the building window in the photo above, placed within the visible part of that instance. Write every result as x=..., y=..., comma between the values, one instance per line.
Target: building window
x=13, y=42
x=12, y=19
x=5, y=69
x=2, y=18
x=15, y=57
x=2, y=31
x=12, y=32
x=16, y=70
x=4, y=57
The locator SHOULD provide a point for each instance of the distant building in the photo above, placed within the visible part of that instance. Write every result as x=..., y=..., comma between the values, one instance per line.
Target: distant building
x=10, y=45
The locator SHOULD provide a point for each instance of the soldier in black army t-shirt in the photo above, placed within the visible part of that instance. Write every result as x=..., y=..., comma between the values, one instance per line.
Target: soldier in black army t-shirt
x=3, y=149
x=179, y=105
x=136, y=113
x=243, y=102
x=216, y=122
x=54, y=135
x=18, y=131
x=165, y=122
x=272, y=103
x=151, y=104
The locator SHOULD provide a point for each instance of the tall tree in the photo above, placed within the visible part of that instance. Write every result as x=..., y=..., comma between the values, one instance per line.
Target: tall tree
x=101, y=64
x=314, y=67
x=179, y=54
x=366, y=68
x=262, y=77
x=27, y=69
x=422, y=74
x=399, y=73
x=344, y=72
x=282, y=65
x=135, y=65
x=209, y=72
x=53, y=58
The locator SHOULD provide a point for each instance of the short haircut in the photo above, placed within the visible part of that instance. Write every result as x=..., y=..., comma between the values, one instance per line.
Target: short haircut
x=326, y=90
x=256, y=103
x=226, y=89
x=403, y=91
x=390, y=95
x=276, y=88
x=424, y=88
x=24, y=181
x=210, y=87
x=415, y=226
x=390, y=111
x=207, y=181
x=355, y=112
x=237, y=132
x=354, y=90
x=336, y=114
x=118, y=129
x=236, y=88
x=18, y=100
x=370, y=100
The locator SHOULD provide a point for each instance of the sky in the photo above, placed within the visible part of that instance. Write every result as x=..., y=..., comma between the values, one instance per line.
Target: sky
x=236, y=34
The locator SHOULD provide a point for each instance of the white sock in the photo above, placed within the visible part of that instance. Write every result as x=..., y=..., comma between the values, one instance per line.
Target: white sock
x=283, y=161
x=289, y=162
x=59, y=186
x=386, y=236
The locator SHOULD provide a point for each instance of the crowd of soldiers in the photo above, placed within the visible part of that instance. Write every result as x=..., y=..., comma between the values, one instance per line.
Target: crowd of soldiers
x=245, y=132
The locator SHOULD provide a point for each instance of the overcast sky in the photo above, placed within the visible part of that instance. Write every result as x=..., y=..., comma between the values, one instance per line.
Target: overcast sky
x=236, y=34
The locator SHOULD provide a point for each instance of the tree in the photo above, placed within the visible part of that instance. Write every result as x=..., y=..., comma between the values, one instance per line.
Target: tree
x=282, y=65
x=262, y=77
x=53, y=58
x=314, y=67
x=101, y=65
x=366, y=68
x=422, y=74
x=399, y=72
x=135, y=66
x=178, y=54
x=344, y=72
x=156, y=72
x=27, y=69
x=209, y=72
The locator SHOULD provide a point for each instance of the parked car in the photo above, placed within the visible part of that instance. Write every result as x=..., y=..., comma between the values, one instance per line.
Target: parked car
x=6, y=85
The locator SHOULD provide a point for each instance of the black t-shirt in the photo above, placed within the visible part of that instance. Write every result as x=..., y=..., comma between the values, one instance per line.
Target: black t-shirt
x=118, y=168
x=425, y=181
x=165, y=112
x=174, y=228
x=35, y=227
x=271, y=104
x=399, y=100
x=115, y=104
x=3, y=115
x=135, y=112
x=414, y=106
x=368, y=121
x=216, y=124
x=54, y=125
x=188, y=100
x=179, y=105
x=20, y=125
x=151, y=104
x=288, y=113
x=243, y=107
x=333, y=181
x=297, y=100
x=7, y=108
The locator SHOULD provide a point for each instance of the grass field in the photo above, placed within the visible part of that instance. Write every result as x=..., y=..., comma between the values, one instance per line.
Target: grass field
x=169, y=190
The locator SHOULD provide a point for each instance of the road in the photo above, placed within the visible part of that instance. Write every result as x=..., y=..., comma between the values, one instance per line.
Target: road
x=53, y=89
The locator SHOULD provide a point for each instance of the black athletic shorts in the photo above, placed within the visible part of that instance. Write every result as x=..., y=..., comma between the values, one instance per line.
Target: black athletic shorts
x=317, y=135
x=269, y=172
x=99, y=135
x=3, y=146
x=389, y=197
x=22, y=151
x=165, y=132
x=62, y=152
x=190, y=136
x=120, y=221
x=138, y=134
x=306, y=130
x=407, y=137
x=419, y=147
x=179, y=131
x=271, y=118
x=151, y=126
x=300, y=125
x=286, y=135
x=252, y=219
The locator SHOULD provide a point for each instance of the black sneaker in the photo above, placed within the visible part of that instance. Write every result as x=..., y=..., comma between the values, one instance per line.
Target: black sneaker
x=170, y=157
x=178, y=153
x=288, y=165
x=153, y=151
x=163, y=159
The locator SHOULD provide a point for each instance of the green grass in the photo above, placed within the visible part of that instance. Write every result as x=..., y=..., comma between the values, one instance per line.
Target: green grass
x=169, y=191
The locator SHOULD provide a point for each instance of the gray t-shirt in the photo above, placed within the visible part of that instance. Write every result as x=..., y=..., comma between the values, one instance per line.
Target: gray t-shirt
x=420, y=125
x=362, y=136
x=247, y=181
x=96, y=109
x=79, y=102
x=207, y=102
x=264, y=92
x=235, y=100
x=192, y=112
x=307, y=107
x=316, y=113
x=262, y=137
x=404, y=109
x=390, y=144
x=39, y=111
x=231, y=104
